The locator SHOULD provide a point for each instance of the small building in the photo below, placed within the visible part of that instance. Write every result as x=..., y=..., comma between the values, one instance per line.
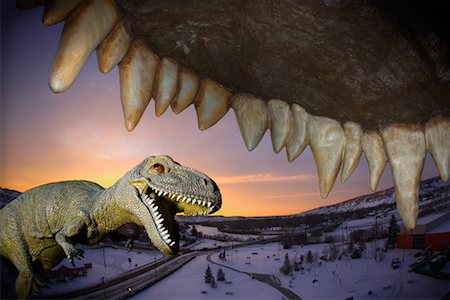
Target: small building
x=432, y=230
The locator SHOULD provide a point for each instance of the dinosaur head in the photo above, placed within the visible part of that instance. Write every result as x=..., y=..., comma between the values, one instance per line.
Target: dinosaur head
x=166, y=188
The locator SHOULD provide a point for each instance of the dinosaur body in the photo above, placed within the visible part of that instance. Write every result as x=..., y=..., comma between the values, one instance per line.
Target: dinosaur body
x=44, y=224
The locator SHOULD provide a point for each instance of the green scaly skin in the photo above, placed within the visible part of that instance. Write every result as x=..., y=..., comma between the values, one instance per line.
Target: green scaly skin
x=45, y=223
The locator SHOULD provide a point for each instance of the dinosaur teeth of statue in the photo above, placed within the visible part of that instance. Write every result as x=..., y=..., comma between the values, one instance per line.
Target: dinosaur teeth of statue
x=212, y=103
x=178, y=197
x=437, y=134
x=82, y=33
x=166, y=83
x=113, y=48
x=58, y=11
x=352, y=150
x=252, y=118
x=204, y=203
x=137, y=73
x=406, y=149
x=327, y=141
x=373, y=148
x=188, y=84
x=298, y=138
x=164, y=231
x=171, y=244
x=160, y=193
x=280, y=123
x=209, y=204
x=170, y=194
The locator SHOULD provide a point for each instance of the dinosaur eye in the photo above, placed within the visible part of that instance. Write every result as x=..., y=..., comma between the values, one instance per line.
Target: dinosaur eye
x=157, y=167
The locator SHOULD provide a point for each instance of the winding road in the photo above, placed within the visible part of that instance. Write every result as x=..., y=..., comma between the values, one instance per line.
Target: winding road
x=269, y=279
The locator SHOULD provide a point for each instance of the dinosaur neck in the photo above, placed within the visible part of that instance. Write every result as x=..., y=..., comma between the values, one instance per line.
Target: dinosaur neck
x=110, y=211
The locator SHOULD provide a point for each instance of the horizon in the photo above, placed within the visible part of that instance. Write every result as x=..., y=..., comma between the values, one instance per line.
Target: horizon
x=80, y=134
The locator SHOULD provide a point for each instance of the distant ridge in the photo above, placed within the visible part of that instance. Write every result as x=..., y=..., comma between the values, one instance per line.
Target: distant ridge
x=7, y=196
x=433, y=192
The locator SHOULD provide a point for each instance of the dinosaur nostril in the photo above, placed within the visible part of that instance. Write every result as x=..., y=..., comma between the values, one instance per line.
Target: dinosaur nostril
x=206, y=182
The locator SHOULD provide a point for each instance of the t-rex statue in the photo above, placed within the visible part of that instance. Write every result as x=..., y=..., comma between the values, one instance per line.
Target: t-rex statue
x=344, y=77
x=44, y=224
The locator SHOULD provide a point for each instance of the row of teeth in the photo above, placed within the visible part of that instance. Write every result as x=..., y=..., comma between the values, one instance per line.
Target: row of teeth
x=157, y=216
x=192, y=200
x=143, y=75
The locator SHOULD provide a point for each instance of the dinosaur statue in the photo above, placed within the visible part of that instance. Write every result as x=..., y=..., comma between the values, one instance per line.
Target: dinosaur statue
x=44, y=224
x=344, y=77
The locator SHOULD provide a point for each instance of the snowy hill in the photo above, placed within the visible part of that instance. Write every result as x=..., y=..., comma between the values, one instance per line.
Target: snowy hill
x=7, y=196
x=434, y=194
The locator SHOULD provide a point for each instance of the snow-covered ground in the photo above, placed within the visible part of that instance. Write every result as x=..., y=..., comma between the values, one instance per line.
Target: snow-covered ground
x=362, y=278
x=116, y=260
x=188, y=283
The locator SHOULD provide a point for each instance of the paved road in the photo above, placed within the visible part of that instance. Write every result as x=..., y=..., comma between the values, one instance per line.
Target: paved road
x=269, y=279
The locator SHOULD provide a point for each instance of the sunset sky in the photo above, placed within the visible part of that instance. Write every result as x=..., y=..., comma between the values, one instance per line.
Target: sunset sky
x=80, y=134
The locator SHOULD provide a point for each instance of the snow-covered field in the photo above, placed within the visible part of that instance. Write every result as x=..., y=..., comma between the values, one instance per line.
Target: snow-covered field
x=362, y=278
x=116, y=260
x=188, y=283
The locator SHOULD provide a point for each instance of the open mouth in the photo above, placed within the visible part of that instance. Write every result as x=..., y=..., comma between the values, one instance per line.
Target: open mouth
x=163, y=205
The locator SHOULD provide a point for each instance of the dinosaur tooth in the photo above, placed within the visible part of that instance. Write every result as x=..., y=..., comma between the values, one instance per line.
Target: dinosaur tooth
x=165, y=194
x=113, y=48
x=298, y=138
x=327, y=142
x=58, y=10
x=406, y=149
x=280, y=123
x=212, y=103
x=209, y=204
x=82, y=33
x=165, y=85
x=352, y=151
x=437, y=135
x=160, y=193
x=204, y=203
x=172, y=243
x=188, y=84
x=373, y=148
x=252, y=118
x=178, y=197
x=137, y=72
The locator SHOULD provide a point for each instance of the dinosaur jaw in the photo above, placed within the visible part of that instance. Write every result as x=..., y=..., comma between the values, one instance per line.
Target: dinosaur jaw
x=163, y=206
x=349, y=81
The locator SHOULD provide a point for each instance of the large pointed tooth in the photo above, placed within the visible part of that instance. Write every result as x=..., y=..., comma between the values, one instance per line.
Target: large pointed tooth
x=252, y=118
x=352, y=151
x=280, y=120
x=137, y=73
x=406, y=148
x=58, y=10
x=166, y=82
x=437, y=134
x=373, y=148
x=327, y=141
x=113, y=48
x=188, y=84
x=298, y=139
x=82, y=33
x=212, y=103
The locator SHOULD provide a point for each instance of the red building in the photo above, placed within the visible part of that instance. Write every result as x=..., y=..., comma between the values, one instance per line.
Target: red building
x=432, y=230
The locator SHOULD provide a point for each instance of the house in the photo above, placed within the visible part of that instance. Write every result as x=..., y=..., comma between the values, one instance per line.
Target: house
x=432, y=230
x=64, y=271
